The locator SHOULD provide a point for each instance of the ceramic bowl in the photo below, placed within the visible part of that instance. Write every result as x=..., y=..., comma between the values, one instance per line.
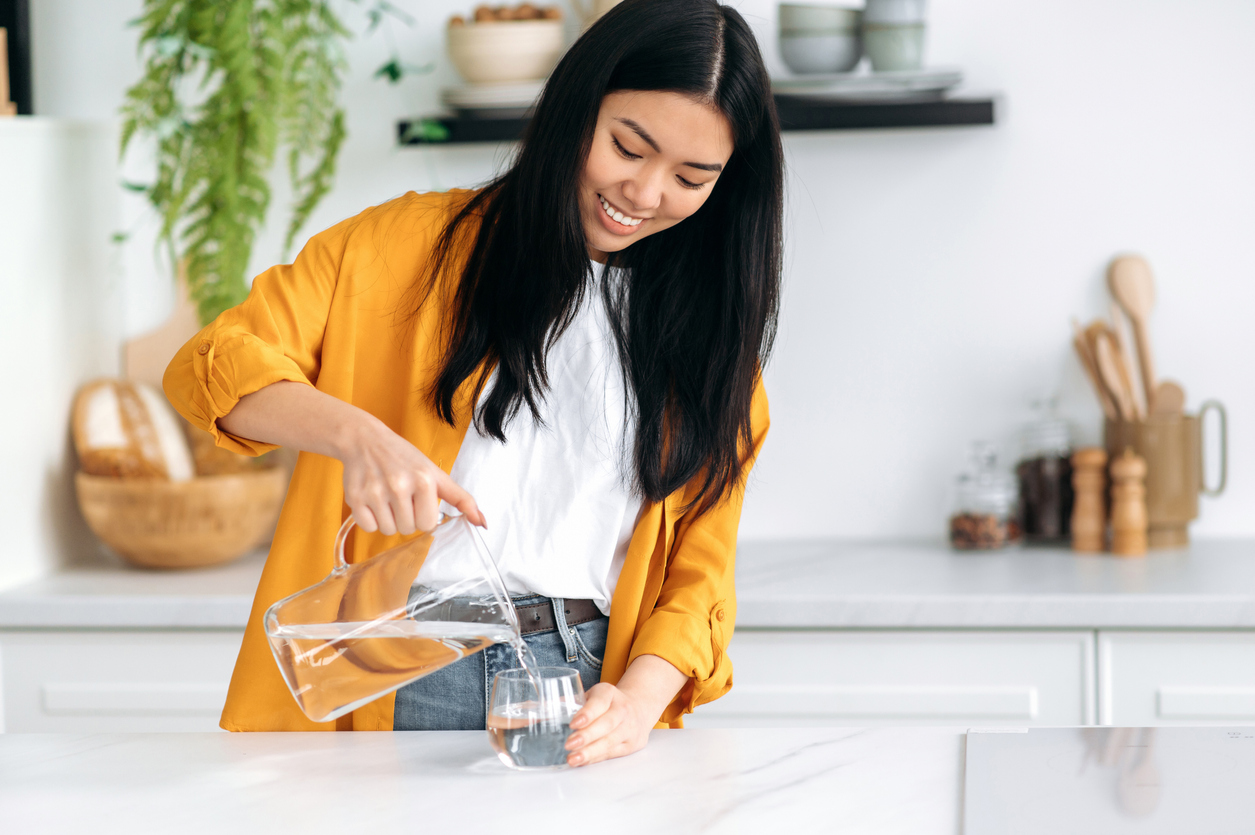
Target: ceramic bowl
x=797, y=17
x=819, y=39
x=824, y=53
x=899, y=12
x=894, y=48
x=505, y=51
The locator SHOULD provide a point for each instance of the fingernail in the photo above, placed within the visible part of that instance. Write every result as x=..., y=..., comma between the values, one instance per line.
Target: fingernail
x=575, y=759
x=574, y=742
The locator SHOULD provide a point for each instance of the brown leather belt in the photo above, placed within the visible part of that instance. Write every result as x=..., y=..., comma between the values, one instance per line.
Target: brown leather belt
x=538, y=617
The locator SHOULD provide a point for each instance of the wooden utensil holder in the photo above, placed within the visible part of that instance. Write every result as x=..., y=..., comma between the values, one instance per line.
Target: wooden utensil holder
x=1172, y=447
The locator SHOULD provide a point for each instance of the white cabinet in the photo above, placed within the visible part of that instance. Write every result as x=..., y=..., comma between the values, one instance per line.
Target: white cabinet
x=94, y=681
x=1176, y=678
x=114, y=681
x=810, y=677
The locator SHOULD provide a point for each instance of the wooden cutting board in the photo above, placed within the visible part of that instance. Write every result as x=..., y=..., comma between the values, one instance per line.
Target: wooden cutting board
x=145, y=357
x=7, y=108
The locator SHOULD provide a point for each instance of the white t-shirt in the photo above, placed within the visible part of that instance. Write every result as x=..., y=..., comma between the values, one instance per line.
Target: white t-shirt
x=557, y=495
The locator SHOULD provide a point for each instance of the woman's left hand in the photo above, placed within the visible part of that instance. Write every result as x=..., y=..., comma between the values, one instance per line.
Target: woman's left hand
x=616, y=721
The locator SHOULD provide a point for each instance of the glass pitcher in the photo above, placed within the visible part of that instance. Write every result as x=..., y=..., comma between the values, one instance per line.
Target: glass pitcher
x=375, y=626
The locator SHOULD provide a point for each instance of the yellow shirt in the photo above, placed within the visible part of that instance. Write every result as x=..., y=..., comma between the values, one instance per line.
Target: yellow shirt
x=337, y=319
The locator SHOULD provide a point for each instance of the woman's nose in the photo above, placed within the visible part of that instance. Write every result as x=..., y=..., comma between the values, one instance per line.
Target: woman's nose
x=645, y=191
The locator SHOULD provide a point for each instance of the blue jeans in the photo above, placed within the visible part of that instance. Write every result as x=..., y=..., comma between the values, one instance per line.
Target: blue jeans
x=456, y=698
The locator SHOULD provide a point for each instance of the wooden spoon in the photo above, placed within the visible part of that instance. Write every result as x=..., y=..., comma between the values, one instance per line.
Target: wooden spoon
x=1169, y=400
x=1099, y=328
x=1128, y=364
x=1083, y=353
x=1124, y=362
x=1108, y=370
x=1133, y=286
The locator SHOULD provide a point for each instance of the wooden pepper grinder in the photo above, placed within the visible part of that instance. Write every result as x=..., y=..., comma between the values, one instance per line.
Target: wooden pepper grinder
x=1128, y=505
x=1089, y=510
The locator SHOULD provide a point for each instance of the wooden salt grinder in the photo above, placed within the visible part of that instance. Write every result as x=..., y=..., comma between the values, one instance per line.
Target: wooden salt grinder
x=1089, y=511
x=1128, y=505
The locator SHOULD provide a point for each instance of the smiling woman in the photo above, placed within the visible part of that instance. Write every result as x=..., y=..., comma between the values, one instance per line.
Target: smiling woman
x=640, y=170
x=573, y=351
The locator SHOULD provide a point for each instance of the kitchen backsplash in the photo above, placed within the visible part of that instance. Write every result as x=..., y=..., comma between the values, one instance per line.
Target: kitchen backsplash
x=930, y=274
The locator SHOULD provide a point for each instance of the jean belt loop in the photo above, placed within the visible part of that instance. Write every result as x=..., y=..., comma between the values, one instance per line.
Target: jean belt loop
x=567, y=632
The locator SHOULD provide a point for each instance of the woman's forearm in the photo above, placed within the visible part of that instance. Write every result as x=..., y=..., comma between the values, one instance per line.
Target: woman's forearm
x=654, y=681
x=297, y=416
x=389, y=485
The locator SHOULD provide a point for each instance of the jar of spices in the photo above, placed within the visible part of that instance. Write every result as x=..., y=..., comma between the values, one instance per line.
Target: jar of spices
x=1045, y=478
x=985, y=504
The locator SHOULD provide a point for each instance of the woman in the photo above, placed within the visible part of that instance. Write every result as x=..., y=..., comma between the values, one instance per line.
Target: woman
x=614, y=411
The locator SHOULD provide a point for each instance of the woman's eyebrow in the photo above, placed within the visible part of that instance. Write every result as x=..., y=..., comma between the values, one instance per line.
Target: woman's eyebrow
x=644, y=134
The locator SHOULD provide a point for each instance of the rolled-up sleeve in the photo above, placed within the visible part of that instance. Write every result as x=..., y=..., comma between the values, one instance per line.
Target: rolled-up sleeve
x=275, y=334
x=692, y=622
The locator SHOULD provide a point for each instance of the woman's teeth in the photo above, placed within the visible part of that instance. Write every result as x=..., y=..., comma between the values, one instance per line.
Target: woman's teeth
x=618, y=216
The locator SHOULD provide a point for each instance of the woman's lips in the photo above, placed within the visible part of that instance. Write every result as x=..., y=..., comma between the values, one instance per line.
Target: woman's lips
x=613, y=225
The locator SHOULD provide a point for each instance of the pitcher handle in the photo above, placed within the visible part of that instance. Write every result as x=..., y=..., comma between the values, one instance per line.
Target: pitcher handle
x=1224, y=447
x=343, y=534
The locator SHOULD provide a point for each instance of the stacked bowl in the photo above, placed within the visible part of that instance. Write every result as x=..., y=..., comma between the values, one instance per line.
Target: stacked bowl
x=893, y=34
x=820, y=39
x=505, y=52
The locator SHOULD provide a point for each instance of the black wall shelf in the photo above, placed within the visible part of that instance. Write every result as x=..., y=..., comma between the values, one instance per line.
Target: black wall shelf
x=796, y=114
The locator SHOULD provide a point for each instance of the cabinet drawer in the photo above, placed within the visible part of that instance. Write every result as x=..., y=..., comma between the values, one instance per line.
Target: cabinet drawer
x=898, y=678
x=114, y=682
x=1176, y=678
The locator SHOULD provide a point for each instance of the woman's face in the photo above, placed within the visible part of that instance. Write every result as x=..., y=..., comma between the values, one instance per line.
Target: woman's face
x=654, y=161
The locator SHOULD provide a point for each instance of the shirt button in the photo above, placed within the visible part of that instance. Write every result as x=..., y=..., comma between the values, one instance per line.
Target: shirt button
x=204, y=348
x=720, y=615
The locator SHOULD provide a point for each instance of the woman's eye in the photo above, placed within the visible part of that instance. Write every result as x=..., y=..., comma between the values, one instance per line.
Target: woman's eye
x=687, y=184
x=624, y=151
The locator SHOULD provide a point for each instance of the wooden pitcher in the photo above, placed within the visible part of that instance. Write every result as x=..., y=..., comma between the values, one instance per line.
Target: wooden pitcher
x=1172, y=446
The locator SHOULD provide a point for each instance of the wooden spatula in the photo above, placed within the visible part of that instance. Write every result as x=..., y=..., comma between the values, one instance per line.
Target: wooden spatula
x=1169, y=400
x=1090, y=365
x=1133, y=286
x=1105, y=354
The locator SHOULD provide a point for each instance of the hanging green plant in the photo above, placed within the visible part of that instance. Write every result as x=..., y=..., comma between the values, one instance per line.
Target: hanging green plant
x=226, y=85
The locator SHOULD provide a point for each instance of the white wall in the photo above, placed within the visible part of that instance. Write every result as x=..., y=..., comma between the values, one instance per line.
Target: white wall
x=931, y=273
x=59, y=327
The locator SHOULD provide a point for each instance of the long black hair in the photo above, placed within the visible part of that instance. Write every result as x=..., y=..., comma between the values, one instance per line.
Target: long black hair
x=695, y=316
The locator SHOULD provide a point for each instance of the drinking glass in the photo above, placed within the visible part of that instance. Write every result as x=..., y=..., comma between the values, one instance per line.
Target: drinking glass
x=528, y=729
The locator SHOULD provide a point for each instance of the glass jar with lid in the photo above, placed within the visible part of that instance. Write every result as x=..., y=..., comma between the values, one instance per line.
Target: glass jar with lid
x=984, y=516
x=1044, y=473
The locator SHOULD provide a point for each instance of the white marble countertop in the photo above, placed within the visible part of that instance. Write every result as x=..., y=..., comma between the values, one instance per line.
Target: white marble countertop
x=799, y=585
x=727, y=781
x=1210, y=585
x=120, y=596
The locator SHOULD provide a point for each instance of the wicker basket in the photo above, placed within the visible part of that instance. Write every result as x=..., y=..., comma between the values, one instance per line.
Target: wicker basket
x=162, y=524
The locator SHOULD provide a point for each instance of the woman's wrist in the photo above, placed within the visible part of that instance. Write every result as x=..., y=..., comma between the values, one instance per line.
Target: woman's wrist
x=653, y=682
x=351, y=430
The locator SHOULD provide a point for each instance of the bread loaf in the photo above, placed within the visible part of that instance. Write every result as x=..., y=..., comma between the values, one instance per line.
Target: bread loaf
x=128, y=430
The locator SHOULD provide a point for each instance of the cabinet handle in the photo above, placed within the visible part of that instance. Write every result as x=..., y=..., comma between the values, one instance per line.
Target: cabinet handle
x=132, y=699
x=1176, y=702
x=940, y=701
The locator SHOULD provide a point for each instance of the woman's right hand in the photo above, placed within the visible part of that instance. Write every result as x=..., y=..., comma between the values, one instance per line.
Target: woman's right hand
x=392, y=487
x=389, y=485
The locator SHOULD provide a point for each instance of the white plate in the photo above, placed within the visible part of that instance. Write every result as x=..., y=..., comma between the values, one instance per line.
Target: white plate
x=491, y=96
x=870, y=86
